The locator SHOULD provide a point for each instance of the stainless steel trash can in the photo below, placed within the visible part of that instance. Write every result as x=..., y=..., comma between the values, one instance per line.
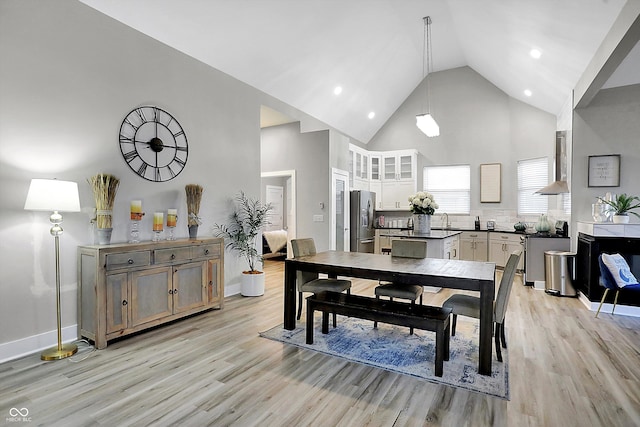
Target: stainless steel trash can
x=560, y=273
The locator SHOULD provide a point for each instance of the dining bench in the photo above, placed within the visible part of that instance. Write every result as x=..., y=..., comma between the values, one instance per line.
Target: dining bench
x=425, y=317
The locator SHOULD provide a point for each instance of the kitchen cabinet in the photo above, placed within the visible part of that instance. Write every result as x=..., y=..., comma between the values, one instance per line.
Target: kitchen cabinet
x=473, y=245
x=451, y=247
x=359, y=168
x=501, y=245
x=399, y=178
x=126, y=288
x=375, y=180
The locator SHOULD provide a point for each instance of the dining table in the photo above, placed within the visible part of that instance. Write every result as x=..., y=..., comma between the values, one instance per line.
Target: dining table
x=475, y=276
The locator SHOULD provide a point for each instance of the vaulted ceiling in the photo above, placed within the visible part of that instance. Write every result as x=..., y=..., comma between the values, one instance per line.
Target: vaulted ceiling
x=299, y=50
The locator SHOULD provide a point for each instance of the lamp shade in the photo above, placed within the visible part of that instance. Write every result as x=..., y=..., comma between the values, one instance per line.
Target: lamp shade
x=428, y=125
x=52, y=195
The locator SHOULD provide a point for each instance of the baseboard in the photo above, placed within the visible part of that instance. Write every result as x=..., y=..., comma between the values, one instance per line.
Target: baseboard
x=623, y=310
x=25, y=346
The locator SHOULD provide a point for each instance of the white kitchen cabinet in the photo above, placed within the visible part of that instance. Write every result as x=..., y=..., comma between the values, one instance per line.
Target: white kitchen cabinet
x=501, y=245
x=395, y=195
x=358, y=168
x=399, y=178
x=473, y=246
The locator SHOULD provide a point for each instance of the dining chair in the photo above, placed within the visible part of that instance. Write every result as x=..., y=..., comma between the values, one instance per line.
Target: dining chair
x=403, y=248
x=469, y=305
x=615, y=274
x=310, y=282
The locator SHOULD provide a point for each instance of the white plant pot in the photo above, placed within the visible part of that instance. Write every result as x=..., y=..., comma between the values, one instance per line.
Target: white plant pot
x=621, y=219
x=252, y=285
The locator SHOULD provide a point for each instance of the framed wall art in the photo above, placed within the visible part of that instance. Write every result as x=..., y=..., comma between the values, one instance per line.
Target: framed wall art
x=490, y=178
x=604, y=171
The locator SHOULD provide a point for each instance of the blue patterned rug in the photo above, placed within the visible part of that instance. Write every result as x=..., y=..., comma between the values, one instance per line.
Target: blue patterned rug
x=392, y=348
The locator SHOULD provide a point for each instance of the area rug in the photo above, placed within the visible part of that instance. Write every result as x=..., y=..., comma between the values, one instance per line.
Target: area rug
x=391, y=348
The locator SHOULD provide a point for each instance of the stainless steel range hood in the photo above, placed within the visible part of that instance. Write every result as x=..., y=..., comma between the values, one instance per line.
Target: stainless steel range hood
x=560, y=185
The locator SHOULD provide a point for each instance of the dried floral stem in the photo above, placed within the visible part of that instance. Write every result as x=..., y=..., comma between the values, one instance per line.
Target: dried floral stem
x=194, y=195
x=104, y=188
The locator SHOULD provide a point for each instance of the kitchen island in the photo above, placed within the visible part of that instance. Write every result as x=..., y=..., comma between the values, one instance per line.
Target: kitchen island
x=443, y=244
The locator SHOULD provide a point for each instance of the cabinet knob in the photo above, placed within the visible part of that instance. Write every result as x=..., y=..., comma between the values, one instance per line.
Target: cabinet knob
x=206, y=251
x=124, y=302
x=210, y=282
x=173, y=256
x=175, y=291
x=170, y=291
x=130, y=261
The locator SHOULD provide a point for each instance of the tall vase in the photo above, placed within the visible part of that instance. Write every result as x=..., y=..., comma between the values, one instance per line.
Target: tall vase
x=422, y=224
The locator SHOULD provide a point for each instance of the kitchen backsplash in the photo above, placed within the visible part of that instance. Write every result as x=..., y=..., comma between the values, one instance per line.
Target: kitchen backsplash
x=505, y=219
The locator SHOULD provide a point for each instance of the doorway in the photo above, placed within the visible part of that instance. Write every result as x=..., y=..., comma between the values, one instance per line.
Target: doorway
x=289, y=201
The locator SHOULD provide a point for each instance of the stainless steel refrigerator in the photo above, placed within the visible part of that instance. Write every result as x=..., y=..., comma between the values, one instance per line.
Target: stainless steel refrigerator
x=361, y=223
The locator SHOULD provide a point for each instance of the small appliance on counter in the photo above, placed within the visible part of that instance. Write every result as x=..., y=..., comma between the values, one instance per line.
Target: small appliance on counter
x=562, y=229
x=491, y=225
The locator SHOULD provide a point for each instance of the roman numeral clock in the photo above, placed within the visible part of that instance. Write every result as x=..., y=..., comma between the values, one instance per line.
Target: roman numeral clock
x=153, y=144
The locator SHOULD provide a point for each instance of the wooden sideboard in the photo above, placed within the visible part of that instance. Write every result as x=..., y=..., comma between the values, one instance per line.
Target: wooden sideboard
x=128, y=287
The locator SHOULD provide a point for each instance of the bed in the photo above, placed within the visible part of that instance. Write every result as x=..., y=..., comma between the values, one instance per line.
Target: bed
x=274, y=244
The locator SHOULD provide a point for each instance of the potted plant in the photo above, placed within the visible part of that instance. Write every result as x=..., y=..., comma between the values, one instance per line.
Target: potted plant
x=422, y=205
x=194, y=196
x=104, y=188
x=622, y=207
x=249, y=216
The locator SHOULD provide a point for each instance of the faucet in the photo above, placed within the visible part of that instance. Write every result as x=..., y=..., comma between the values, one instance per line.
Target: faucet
x=445, y=221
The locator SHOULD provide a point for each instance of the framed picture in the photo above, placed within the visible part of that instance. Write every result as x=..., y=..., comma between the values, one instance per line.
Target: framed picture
x=490, y=178
x=604, y=171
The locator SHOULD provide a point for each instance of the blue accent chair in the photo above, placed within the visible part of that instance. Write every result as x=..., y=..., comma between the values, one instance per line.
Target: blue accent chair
x=609, y=283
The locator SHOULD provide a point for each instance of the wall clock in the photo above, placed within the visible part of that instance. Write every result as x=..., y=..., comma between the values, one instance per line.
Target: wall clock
x=153, y=144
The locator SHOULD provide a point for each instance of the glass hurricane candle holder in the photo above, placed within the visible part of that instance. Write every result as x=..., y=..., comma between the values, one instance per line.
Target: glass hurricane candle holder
x=158, y=228
x=172, y=219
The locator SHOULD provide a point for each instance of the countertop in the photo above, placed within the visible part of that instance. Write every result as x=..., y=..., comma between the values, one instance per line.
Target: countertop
x=455, y=230
x=435, y=234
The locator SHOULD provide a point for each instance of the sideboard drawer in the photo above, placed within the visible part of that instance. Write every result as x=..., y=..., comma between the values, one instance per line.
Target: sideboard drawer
x=172, y=254
x=127, y=260
x=206, y=251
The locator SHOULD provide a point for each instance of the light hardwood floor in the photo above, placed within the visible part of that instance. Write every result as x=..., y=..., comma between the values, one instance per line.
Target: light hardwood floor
x=566, y=369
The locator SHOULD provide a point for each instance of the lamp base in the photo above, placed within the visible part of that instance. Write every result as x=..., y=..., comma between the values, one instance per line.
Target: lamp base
x=55, y=354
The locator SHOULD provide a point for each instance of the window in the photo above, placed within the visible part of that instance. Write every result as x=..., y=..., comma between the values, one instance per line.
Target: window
x=533, y=174
x=450, y=186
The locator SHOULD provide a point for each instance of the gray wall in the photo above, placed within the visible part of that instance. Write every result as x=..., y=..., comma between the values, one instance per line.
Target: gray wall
x=285, y=148
x=610, y=125
x=478, y=124
x=68, y=77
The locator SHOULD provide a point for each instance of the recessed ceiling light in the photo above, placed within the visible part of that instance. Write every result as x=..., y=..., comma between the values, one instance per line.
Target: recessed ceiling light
x=371, y=115
x=535, y=53
x=527, y=92
x=337, y=90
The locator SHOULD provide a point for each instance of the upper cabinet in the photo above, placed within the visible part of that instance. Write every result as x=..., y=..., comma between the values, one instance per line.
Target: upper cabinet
x=400, y=165
x=392, y=175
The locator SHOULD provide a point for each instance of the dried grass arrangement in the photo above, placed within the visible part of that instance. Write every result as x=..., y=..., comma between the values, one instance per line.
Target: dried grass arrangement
x=194, y=196
x=104, y=188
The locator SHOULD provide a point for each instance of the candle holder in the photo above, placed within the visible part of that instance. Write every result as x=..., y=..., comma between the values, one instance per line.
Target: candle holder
x=134, y=226
x=134, y=231
x=172, y=220
x=157, y=226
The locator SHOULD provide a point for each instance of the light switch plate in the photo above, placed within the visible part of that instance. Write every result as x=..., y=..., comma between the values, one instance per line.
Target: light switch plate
x=318, y=218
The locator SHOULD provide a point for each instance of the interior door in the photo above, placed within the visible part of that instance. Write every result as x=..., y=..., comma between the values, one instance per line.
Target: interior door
x=340, y=210
x=274, y=196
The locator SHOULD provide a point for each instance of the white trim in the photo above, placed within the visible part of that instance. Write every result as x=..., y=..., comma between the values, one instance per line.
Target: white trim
x=35, y=343
x=622, y=310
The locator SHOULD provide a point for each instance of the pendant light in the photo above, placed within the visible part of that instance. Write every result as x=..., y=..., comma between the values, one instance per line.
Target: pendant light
x=425, y=122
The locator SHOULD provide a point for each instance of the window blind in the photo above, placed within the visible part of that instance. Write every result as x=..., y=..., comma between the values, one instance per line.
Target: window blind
x=450, y=186
x=533, y=174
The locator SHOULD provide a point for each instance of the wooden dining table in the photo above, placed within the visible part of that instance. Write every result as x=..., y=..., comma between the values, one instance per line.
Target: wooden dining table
x=446, y=273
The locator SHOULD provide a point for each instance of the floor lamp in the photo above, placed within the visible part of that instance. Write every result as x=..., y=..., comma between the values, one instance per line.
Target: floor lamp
x=56, y=196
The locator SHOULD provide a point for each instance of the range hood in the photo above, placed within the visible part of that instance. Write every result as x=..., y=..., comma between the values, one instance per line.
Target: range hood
x=560, y=185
